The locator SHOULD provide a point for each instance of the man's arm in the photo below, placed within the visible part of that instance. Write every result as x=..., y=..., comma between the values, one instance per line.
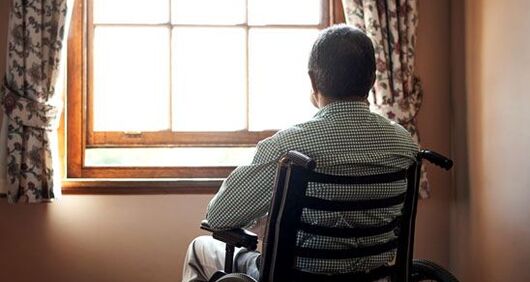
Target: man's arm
x=247, y=192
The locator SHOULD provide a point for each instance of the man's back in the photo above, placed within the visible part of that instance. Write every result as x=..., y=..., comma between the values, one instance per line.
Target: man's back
x=344, y=138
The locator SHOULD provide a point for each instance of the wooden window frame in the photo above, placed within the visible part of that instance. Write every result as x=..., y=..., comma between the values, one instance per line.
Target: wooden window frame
x=81, y=179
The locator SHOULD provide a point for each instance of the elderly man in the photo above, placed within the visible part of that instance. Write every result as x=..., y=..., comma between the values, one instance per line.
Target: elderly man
x=344, y=137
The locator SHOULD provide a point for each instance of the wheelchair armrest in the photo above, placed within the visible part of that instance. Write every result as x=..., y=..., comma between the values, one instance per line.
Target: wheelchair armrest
x=237, y=237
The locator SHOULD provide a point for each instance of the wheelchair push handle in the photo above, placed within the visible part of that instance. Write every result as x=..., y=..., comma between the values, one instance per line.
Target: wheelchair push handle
x=435, y=158
x=299, y=159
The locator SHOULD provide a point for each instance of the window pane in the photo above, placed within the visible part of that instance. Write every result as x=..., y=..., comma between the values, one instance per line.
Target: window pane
x=131, y=78
x=208, y=11
x=279, y=85
x=167, y=157
x=208, y=79
x=131, y=11
x=261, y=12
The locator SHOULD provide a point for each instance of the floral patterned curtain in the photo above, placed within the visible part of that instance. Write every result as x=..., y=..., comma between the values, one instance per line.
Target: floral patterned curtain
x=397, y=93
x=31, y=105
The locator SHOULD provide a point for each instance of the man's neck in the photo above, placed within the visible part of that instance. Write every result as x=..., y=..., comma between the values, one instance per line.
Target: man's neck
x=324, y=101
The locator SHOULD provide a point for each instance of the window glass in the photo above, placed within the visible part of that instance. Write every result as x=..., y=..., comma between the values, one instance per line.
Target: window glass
x=208, y=11
x=279, y=85
x=130, y=11
x=131, y=67
x=168, y=157
x=209, y=84
x=284, y=12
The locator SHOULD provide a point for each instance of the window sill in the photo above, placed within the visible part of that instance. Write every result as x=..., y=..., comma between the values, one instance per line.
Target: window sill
x=140, y=186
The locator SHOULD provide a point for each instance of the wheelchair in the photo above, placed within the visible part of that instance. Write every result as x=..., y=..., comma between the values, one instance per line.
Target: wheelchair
x=295, y=171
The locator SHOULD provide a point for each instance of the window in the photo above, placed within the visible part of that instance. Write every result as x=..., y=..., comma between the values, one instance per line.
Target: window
x=184, y=88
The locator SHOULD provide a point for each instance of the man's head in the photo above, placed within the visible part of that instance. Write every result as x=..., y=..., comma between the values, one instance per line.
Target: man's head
x=342, y=64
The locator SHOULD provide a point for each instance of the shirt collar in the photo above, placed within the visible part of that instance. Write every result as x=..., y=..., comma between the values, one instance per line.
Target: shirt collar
x=343, y=107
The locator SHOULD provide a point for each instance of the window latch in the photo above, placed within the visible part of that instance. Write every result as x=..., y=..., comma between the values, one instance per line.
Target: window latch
x=132, y=134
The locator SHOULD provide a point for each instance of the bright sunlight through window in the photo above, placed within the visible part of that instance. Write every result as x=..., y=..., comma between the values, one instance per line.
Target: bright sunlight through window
x=196, y=66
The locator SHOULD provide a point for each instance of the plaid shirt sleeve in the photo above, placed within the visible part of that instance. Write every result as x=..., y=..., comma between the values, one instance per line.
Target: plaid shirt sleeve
x=246, y=194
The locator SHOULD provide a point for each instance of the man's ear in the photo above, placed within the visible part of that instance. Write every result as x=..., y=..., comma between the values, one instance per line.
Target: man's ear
x=313, y=81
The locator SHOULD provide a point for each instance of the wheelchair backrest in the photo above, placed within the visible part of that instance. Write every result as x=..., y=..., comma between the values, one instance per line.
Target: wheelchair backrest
x=280, y=249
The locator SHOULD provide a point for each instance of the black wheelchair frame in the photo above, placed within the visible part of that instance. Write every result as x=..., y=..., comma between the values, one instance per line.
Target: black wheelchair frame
x=295, y=170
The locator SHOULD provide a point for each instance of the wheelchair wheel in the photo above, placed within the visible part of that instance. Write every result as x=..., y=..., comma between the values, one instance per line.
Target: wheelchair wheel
x=424, y=270
x=236, y=277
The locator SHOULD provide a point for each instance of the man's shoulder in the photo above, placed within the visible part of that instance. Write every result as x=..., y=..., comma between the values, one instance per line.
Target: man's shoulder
x=386, y=123
x=298, y=131
x=397, y=137
x=372, y=130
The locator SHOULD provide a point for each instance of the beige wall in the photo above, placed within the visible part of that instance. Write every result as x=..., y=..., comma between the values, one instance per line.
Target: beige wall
x=143, y=238
x=433, y=67
x=460, y=200
x=98, y=238
x=496, y=244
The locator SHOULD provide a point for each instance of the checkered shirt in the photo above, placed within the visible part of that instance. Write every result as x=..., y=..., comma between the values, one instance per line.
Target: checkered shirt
x=344, y=138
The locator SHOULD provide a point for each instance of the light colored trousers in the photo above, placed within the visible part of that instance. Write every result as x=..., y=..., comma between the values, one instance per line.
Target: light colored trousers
x=206, y=255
